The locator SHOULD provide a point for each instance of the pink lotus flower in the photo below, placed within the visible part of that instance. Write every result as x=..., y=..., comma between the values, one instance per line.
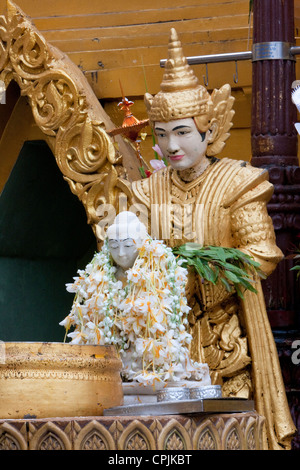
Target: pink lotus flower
x=157, y=149
x=157, y=164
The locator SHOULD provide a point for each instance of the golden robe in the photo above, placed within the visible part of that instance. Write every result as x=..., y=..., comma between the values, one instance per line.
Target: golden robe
x=226, y=206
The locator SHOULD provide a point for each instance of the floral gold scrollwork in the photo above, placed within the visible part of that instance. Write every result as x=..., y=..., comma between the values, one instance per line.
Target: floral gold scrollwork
x=82, y=150
x=51, y=442
x=233, y=440
x=137, y=442
x=28, y=52
x=94, y=442
x=250, y=439
x=12, y=437
x=66, y=111
x=48, y=436
x=55, y=101
x=3, y=42
x=8, y=443
x=207, y=440
x=226, y=349
x=92, y=436
x=175, y=441
x=221, y=120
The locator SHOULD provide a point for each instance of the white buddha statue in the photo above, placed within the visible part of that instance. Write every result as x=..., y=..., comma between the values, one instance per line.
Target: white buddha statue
x=125, y=237
x=132, y=295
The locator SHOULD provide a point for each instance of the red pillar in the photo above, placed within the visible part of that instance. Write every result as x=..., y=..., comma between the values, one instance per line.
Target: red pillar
x=274, y=146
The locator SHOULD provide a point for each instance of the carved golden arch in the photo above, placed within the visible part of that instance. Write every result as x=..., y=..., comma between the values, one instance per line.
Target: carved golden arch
x=68, y=114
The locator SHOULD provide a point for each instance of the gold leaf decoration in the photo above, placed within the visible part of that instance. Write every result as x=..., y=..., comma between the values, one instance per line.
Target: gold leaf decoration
x=66, y=110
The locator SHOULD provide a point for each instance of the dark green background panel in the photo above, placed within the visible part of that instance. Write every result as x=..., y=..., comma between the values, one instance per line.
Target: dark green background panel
x=44, y=239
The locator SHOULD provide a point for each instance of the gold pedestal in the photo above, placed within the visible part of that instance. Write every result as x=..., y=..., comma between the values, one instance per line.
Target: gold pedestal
x=223, y=431
x=53, y=396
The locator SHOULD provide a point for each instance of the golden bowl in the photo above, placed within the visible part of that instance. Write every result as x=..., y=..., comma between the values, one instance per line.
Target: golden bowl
x=46, y=380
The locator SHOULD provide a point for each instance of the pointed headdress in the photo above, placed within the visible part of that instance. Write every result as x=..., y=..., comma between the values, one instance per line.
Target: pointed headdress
x=181, y=96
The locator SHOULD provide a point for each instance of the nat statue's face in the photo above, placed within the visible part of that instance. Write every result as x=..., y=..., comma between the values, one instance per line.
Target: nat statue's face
x=181, y=143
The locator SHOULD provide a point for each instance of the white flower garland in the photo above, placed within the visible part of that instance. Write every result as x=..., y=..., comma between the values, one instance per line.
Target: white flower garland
x=146, y=319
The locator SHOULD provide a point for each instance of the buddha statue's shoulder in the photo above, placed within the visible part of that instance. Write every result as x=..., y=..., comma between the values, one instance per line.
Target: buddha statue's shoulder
x=244, y=180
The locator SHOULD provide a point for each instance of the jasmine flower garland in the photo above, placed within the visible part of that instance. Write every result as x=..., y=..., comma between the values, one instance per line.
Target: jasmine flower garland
x=97, y=294
x=146, y=320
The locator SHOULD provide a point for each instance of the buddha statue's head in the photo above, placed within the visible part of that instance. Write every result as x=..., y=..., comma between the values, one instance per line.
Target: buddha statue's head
x=125, y=236
x=185, y=108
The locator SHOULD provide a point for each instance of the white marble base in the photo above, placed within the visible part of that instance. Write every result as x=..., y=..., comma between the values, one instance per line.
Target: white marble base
x=136, y=393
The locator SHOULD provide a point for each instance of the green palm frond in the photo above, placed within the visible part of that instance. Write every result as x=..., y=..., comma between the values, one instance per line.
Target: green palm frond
x=230, y=266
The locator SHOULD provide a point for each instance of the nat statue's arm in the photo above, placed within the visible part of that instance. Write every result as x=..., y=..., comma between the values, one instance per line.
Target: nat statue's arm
x=252, y=227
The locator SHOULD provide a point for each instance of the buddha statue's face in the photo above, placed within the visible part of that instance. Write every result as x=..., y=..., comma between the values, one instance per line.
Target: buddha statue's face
x=123, y=251
x=181, y=143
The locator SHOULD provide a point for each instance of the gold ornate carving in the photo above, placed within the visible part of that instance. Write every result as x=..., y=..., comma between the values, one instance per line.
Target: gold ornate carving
x=207, y=440
x=55, y=374
x=233, y=440
x=180, y=95
x=49, y=437
x=175, y=441
x=221, y=119
x=156, y=429
x=250, y=438
x=51, y=442
x=93, y=436
x=226, y=348
x=61, y=362
x=210, y=432
x=135, y=436
x=137, y=442
x=175, y=435
x=7, y=442
x=94, y=442
x=64, y=108
x=12, y=438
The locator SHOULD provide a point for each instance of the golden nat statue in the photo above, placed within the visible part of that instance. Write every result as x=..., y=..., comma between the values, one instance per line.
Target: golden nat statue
x=225, y=203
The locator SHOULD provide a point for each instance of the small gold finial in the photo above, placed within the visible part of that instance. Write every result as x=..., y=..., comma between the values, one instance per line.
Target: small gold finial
x=178, y=74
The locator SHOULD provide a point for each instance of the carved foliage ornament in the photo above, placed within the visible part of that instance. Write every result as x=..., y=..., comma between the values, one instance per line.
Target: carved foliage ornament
x=57, y=92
